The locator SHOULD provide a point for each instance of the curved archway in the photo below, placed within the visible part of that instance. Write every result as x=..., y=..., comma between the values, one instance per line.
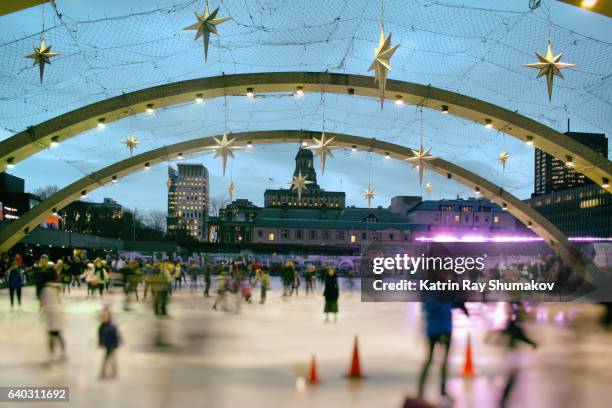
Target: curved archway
x=16, y=230
x=38, y=137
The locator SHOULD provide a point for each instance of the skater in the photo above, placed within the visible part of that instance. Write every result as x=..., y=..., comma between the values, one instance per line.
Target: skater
x=51, y=306
x=245, y=291
x=223, y=285
x=207, y=270
x=331, y=293
x=295, y=283
x=15, y=279
x=110, y=339
x=161, y=286
x=309, y=277
x=264, y=281
x=515, y=334
x=288, y=277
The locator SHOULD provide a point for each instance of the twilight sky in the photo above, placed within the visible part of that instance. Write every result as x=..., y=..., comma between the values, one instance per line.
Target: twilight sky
x=109, y=47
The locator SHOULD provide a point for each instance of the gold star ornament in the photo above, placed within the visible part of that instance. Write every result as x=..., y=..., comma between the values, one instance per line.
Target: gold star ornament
x=428, y=187
x=300, y=184
x=419, y=159
x=382, y=63
x=230, y=189
x=207, y=23
x=224, y=149
x=550, y=66
x=503, y=159
x=369, y=194
x=322, y=149
x=131, y=142
x=42, y=55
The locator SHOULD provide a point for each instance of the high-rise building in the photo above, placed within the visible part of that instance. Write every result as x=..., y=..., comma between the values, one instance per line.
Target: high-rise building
x=554, y=175
x=315, y=196
x=188, y=199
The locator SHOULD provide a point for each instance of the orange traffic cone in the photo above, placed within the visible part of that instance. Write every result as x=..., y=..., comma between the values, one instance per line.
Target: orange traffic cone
x=314, y=376
x=355, y=370
x=468, y=369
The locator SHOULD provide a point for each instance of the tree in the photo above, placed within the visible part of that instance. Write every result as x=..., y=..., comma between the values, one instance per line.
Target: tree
x=44, y=192
x=215, y=204
x=156, y=220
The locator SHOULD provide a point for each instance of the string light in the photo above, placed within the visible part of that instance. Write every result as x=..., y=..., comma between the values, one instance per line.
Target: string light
x=477, y=191
x=150, y=109
x=569, y=162
x=354, y=148
x=529, y=140
x=199, y=99
x=529, y=224
x=504, y=206
x=101, y=124
x=250, y=93
x=387, y=155
x=299, y=91
x=588, y=3
x=399, y=100
x=147, y=166
x=10, y=163
x=249, y=144
x=605, y=182
x=84, y=194
x=488, y=123
x=444, y=108
x=114, y=179
x=54, y=141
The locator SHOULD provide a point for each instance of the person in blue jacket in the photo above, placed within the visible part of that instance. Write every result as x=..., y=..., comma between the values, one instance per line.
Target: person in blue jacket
x=15, y=278
x=110, y=339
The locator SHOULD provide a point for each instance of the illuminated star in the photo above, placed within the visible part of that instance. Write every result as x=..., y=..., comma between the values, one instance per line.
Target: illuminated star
x=230, y=190
x=369, y=194
x=224, y=149
x=428, y=187
x=503, y=158
x=41, y=56
x=207, y=23
x=300, y=184
x=382, y=63
x=322, y=149
x=550, y=66
x=131, y=142
x=418, y=160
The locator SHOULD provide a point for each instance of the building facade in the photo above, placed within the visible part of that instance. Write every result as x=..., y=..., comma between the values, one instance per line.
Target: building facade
x=14, y=201
x=91, y=218
x=555, y=175
x=461, y=218
x=188, y=191
x=314, y=197
x=584, y=211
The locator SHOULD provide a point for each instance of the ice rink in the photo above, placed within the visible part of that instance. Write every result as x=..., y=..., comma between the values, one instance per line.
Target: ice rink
x=254, y=358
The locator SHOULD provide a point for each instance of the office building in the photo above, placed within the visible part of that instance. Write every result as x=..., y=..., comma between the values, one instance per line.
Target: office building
x=188, y=199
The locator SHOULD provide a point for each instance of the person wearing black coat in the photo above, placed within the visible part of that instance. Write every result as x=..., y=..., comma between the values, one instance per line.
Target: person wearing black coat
x=331, y=293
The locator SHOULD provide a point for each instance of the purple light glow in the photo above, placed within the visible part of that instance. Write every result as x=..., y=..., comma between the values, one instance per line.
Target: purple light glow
x=501, y=238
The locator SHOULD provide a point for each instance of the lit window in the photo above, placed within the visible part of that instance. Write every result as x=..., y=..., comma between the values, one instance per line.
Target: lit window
x=496, y=219
x=353, y=238
x=457, y=218
x=271, y=236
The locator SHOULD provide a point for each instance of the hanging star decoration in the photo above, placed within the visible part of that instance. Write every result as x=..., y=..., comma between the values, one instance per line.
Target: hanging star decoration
x=42, y=55
x=550, y=66
x=131, y=142
x=428, y=187
x=322, y=149
x=419, y=159
x=207, y=23
x=230, y=190
x=503, y=158
x=300, y=184
x=382, y=63
x=369, y=194
x=224, y=149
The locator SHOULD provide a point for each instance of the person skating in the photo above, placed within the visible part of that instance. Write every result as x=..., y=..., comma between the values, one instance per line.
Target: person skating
x=109, y=338
x=207, y=280
x=309, y=277
x=331, y=294
x=15, y=278
x=51, y=306
x=264, y=281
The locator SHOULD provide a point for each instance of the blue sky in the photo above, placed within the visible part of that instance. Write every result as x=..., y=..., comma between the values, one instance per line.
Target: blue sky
x=464, y=49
